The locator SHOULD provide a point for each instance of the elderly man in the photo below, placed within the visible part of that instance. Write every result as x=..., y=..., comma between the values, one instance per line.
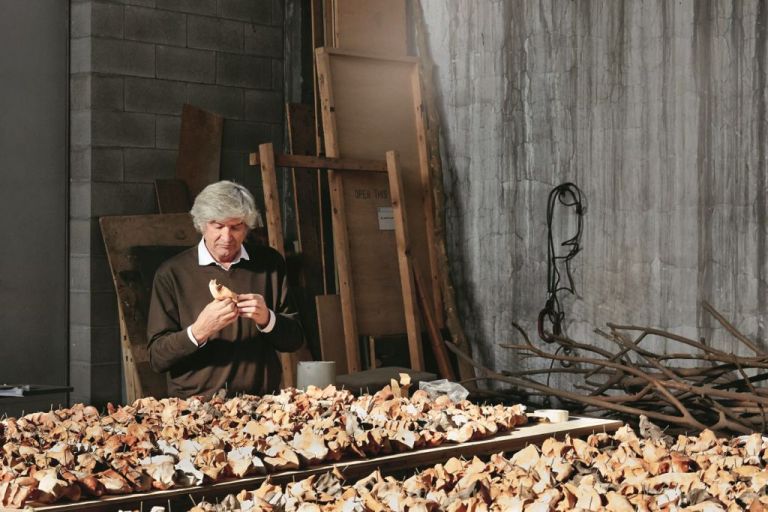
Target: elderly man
x=208, y=344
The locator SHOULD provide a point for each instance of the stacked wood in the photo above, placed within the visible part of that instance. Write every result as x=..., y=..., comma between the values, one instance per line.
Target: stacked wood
x=615, y=473
x=168, y=443
x=693, y=386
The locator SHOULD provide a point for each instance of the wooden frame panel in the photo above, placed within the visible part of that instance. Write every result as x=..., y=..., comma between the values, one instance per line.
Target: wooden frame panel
x=369, y=26
x=121, y=234
x=371, y=105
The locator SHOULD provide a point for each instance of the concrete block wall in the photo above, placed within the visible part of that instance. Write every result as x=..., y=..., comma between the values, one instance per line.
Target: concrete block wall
x=134, y=63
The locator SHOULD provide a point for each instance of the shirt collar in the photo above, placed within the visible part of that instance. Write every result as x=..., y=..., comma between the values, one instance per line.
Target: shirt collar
x=204, y=257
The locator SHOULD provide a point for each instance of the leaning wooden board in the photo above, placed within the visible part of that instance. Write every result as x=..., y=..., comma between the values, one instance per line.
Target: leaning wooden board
x=519, y=438
x=371, y=105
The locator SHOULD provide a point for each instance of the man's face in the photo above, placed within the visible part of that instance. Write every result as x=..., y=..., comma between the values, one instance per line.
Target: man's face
x=223, y=238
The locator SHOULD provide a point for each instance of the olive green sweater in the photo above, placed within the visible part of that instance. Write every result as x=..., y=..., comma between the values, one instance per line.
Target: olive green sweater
x=239, y=358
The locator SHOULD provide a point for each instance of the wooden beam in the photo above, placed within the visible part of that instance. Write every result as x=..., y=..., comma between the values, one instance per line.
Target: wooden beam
x=199, y=158
x=331, y=330
x=340, y=232
x=444, y=365
x=410, y=308
x=275, y=234
x=319, y=162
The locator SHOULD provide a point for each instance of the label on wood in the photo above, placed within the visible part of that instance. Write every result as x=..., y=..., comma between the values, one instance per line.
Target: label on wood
x=386, y=218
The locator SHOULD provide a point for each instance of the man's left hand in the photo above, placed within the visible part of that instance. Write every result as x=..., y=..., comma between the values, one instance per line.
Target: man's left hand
x=253, y=306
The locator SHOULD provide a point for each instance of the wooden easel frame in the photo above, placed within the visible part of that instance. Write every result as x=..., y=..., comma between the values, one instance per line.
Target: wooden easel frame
x=268, y=161
x=413, y=150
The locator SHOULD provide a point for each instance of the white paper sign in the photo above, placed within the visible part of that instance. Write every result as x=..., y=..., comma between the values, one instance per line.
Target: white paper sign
x=386, y=218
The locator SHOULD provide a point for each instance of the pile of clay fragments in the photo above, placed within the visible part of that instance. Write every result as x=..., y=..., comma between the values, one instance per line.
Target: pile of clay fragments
x=162, y=444
x=615, y=473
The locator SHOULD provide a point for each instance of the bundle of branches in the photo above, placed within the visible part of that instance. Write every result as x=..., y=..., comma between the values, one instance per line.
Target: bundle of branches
x=697, y=388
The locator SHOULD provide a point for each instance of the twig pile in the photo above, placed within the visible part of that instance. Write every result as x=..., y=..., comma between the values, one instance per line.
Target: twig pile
x=618, y=473
x=697, y=388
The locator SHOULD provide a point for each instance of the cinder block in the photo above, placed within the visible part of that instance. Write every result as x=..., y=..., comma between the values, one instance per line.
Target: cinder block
x=278, y=12
x=226, y=101
x=80, y=55
x=80, y=164
x=79, y=92
x=107, y=20
x=147, y=165
x=185, y=64
x=264, y=41
x=207, y=7
x=167, y=131
x=80, y=129
x=105, y=345
x=106, y=164
x=264, y=106
x=232, y=164
x=103, y=309
x=80, y=380
x=123, y=199
x=154, y=26
x=80, y=308
x=106, y=384
x=158, y=96
x=252, y=11
x=79, y=343
x=80, y=236
x=144, y=3
x=80, y=200
x=80, y=20
x=214, y=34
x=123, y=57
x=243, y=71
x=123, y=129
x=106, y=92
x=101, y=276
x=245, y=136
x=79, y=272
x=278, y=78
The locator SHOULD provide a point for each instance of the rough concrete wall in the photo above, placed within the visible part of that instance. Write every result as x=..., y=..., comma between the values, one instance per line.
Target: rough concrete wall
x=656, y=109
x=134, y=63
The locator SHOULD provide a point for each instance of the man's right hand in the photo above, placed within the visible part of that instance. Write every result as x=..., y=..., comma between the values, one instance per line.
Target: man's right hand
x=213, y=318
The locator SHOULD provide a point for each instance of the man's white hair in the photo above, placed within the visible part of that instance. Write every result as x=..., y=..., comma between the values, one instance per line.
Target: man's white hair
x=224, y=200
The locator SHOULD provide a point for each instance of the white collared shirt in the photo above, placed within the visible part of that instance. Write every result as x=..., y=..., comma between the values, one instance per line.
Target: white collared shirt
x=204, y=259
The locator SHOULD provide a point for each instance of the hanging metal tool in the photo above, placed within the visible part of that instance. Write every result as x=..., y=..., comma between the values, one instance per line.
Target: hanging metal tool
x=569, y=196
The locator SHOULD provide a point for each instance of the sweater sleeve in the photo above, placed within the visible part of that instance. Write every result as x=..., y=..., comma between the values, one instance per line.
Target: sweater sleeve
x=168, y=340
x=287, y=335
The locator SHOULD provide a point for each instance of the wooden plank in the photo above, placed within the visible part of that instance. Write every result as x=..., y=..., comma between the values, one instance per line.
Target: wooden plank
x=275, y=235
x=331, y=329
x=310, y=225
x=172, y=196
x=319, y=162
x=370, y=26
x=403, y=249
x=340, y=233
x=318, y=41
x=425, y=173
x=353, y=469
x=121, y=235
x=271, y=198
x=199, y=158
x=444, y=365
x=373, y=110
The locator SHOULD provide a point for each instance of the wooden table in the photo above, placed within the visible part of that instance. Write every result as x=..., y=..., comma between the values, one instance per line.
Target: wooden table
x=352, y=469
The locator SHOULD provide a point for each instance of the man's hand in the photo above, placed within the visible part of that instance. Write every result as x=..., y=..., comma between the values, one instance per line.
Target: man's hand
x=213, y=318
x=253, y=306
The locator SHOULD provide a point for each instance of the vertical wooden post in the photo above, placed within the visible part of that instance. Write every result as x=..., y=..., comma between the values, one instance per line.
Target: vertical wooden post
x=406, y=275
x=340, y=232
x=275, y=233
x=425, y=173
